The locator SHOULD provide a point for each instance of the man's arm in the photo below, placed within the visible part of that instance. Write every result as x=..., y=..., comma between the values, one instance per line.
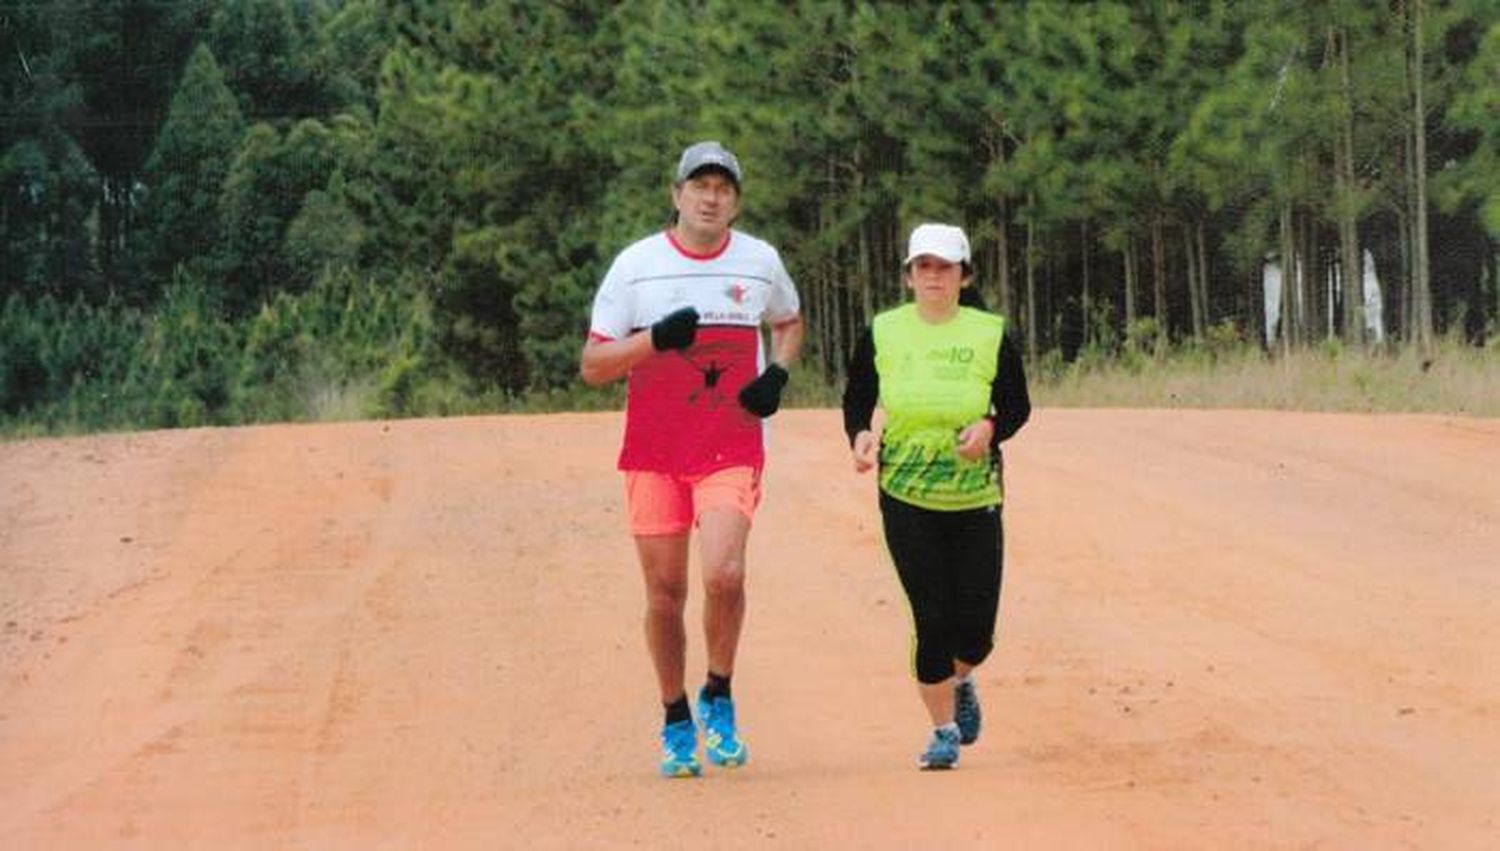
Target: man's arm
x=762, y=396
x=604, y=361
x=786, y=341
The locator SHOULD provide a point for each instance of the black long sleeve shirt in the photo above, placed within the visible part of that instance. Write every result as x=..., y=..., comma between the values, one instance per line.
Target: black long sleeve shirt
x=1010, y=403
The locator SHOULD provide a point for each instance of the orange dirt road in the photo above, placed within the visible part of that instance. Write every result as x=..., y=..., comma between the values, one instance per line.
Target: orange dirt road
x=1218, y=629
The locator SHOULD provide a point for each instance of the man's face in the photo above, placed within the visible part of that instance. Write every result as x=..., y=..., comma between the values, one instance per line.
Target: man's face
x=707, y=203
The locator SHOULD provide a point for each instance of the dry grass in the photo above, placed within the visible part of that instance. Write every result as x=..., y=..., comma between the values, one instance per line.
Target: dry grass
x=1455, y=378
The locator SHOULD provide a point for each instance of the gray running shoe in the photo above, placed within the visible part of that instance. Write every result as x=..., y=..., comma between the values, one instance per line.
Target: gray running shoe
x=966, y=711
x=942, y=751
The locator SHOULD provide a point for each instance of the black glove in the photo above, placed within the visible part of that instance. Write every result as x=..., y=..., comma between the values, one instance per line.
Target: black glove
x=675, y=330
x=762, y=396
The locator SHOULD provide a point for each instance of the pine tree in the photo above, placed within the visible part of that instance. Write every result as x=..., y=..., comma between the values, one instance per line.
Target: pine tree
x=180, y=224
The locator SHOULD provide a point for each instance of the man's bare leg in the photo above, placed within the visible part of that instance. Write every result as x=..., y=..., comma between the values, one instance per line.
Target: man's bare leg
x=721, y=539
x=664, y=566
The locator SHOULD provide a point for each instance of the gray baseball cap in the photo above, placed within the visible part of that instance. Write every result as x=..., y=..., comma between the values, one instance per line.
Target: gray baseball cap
x=704, y=155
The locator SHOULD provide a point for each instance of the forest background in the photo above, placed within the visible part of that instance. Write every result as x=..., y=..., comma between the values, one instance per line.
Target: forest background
x=265, y=210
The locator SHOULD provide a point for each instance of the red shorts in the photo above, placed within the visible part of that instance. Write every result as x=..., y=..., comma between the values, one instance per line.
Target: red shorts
x=663, y=504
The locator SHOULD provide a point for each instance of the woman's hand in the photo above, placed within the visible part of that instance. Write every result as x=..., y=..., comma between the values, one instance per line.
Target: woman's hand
x=974, y=440
x=866, y=451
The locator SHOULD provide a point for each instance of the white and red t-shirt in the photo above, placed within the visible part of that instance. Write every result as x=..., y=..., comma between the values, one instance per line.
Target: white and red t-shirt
x=682, y=413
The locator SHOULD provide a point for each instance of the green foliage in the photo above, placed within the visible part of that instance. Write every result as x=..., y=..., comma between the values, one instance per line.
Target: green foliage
x=46, y=183
x=325, y=234
x=477, y=311
x=122, y=59
x=1104, y=334
x=271, y=49
x=339, y=338
x=180, y=372
x=458, y=174
x=180, y=222
x=57, y=357
x=322, y=353
x=479, y=178
x=266, y=188
x=1144, y=335
x=1476, y=108
x=1224, y=338
x=354, y=43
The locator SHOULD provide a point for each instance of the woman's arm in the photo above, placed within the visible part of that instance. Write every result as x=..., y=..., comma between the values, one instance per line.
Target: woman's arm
x=862, y=390
x=1008, y=394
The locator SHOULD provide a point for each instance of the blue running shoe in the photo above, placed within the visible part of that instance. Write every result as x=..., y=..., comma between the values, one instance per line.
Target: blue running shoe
x=942, y=751
x=679, y=743
x=966, y=711
x=721, y=741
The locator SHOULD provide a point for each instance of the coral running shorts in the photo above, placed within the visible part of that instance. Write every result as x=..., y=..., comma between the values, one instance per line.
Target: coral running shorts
x=664, y=504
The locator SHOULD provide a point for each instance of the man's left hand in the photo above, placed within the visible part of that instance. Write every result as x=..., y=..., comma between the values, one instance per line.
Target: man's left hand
x=762, y=397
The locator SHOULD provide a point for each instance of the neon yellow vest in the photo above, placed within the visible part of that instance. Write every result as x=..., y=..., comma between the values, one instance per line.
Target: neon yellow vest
x=934, y=381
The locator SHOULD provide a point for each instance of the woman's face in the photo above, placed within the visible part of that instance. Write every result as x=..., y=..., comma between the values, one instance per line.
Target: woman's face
x=935, y=281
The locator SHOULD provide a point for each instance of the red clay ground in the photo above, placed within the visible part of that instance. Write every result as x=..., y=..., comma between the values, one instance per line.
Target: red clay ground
x=1220, y=629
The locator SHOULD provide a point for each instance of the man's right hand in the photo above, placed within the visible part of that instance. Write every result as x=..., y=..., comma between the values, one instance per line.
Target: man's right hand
x=675, y=330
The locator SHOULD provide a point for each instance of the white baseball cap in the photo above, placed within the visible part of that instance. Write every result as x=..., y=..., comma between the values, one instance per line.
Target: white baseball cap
x=945, y=241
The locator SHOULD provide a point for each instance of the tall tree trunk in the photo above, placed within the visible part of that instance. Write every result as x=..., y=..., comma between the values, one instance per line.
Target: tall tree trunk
x=1130, y=282
x=1031, y=330
x=863, y=273
x=835, y=334
x=1421, y=273
x=1493, y=269
x=866, y=269
x=892, y=251
x=1002, y=260
x=1313, y=280
x=1404, y=320
x=1253, y=305
x=1088, y=299
x=822, y=283
x=1288, y=319
x=1046, y=304
x=1351, y=273
x=114, y=228
x=1159, y=281
x=1202, y=241
x=1333, y=283
x=1296, y=327
x=1195, y=304
x=828, y=305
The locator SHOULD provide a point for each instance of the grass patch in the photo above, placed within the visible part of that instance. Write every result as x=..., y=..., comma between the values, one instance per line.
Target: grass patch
x=1455, y=378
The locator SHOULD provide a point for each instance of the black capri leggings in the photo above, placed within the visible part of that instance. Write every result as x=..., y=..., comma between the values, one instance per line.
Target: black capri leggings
x=950, y=564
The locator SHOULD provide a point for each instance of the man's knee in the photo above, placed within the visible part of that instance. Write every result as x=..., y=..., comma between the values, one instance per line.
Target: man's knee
x=725, y=581
x=666, y=596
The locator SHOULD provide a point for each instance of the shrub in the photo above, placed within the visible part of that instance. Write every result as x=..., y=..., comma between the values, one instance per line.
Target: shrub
x=180, y=374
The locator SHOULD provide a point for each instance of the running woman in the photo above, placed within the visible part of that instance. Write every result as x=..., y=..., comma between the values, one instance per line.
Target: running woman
x=679, y=314
x=950, y=382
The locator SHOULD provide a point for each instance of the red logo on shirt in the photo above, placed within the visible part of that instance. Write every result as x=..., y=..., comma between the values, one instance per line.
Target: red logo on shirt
x=736, y=292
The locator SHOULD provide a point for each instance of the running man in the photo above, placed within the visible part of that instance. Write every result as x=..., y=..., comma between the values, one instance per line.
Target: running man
x=679, y=314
